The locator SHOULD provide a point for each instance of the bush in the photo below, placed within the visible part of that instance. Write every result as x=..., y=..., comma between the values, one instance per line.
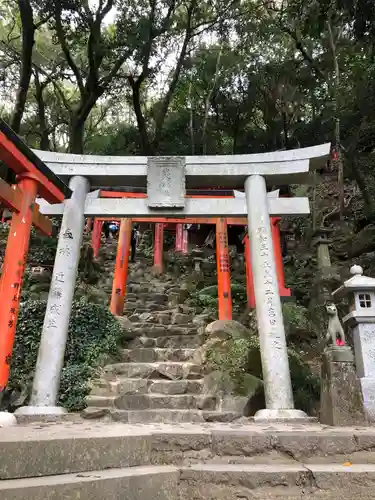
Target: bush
x=207, y=297
x=239, y=357
x=94, y=333
x=296, y=321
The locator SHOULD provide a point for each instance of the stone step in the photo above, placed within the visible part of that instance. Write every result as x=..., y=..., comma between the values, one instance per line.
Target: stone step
x=157, y=416
x=144, y=386
x=49, y=449
x=100, y=401
x=136, y=307
x=153, y=401
x=163, y=317
x=135, y=483
x=161, y=416
x=169, y=370
x=149, y=355
x=174, y=342
x=277, y=481
x=152, y=331
x=164, y=402
x=309, y=443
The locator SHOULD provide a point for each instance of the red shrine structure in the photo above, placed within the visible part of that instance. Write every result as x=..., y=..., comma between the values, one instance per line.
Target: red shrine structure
x=34, y=179
x=181, y=245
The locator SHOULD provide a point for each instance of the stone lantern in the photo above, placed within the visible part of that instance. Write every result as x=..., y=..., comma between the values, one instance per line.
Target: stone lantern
x=360, y=291
x=197, y=255
x=322, y=243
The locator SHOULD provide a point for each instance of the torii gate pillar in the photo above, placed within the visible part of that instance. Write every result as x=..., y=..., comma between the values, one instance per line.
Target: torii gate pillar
x=178, y=242
x=273, y=348
x=59, y=305
x=223, y=270
x=121, y=268
x=13, y=272
x=96, y=237
x=158, y=247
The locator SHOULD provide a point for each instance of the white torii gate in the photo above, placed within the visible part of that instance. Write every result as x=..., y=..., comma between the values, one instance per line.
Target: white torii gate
x=167, y=179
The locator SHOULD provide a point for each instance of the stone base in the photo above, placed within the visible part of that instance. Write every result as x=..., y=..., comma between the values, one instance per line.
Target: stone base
x=41, y=411
x=7, y=419
x=368, y=392
x=281, y=416
x=341, y=401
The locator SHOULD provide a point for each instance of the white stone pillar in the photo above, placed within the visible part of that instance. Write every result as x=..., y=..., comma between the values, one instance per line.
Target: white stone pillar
x=273, y=349
x=59, y=305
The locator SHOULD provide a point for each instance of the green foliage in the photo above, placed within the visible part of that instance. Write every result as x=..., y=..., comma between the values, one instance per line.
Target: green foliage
x=93, y=334
x=232, y=358
x=296, y=320
x=207, y=297
x=239, y=357
x=88, y=268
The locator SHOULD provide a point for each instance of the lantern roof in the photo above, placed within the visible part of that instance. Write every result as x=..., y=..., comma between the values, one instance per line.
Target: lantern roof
x=357, y=283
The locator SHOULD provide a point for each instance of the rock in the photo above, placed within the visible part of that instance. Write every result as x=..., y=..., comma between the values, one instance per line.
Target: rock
x=163, y=318
x=206, y=402
x=159, y=298
x=180, y=318
x=235, y=390
x=202, y=319
x=225, y=329
x=125, y=323
x=91, y=413
x=127, y=327
x=220, y=385
x=133, y=386
x=145, y=316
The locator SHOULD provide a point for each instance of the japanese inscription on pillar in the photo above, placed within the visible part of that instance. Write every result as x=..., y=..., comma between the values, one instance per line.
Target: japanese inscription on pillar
x=166, y=182
x=265, y=254
x=223, y=258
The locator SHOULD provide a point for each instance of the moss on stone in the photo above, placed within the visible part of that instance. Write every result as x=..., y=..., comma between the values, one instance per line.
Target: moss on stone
x=234, y=352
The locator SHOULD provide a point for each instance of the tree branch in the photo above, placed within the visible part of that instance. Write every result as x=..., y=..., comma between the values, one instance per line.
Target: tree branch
x=307, y=57
x=105, y=81
x=64, y=46
x=28, y=31
x=176, y=74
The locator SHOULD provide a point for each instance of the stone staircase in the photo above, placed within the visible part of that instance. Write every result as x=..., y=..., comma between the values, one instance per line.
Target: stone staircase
x=155, y=379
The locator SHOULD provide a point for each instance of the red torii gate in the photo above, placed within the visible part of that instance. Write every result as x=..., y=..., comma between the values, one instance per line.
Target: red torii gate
x=223, y=270
x=34, y=179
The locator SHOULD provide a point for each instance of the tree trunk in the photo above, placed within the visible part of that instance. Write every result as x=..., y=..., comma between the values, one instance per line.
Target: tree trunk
x=28, y=31
x=236, y=129
x=285, y=129
x=191, y=119
x=338, y=163
x=76, y=136
x=208, y=101
x=147, y=148
x=43, y=128
x=78, y=119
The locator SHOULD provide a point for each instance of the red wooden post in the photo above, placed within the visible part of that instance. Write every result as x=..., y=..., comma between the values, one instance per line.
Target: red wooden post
x=249, y=274
x=121, y=268
x=178, y=243
x=223, y=270
x=88, y=224
x=96, y=236
x=283, y=291
x=185, y=241
x=275, y=229
x=13, y=271
x=158, y=247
